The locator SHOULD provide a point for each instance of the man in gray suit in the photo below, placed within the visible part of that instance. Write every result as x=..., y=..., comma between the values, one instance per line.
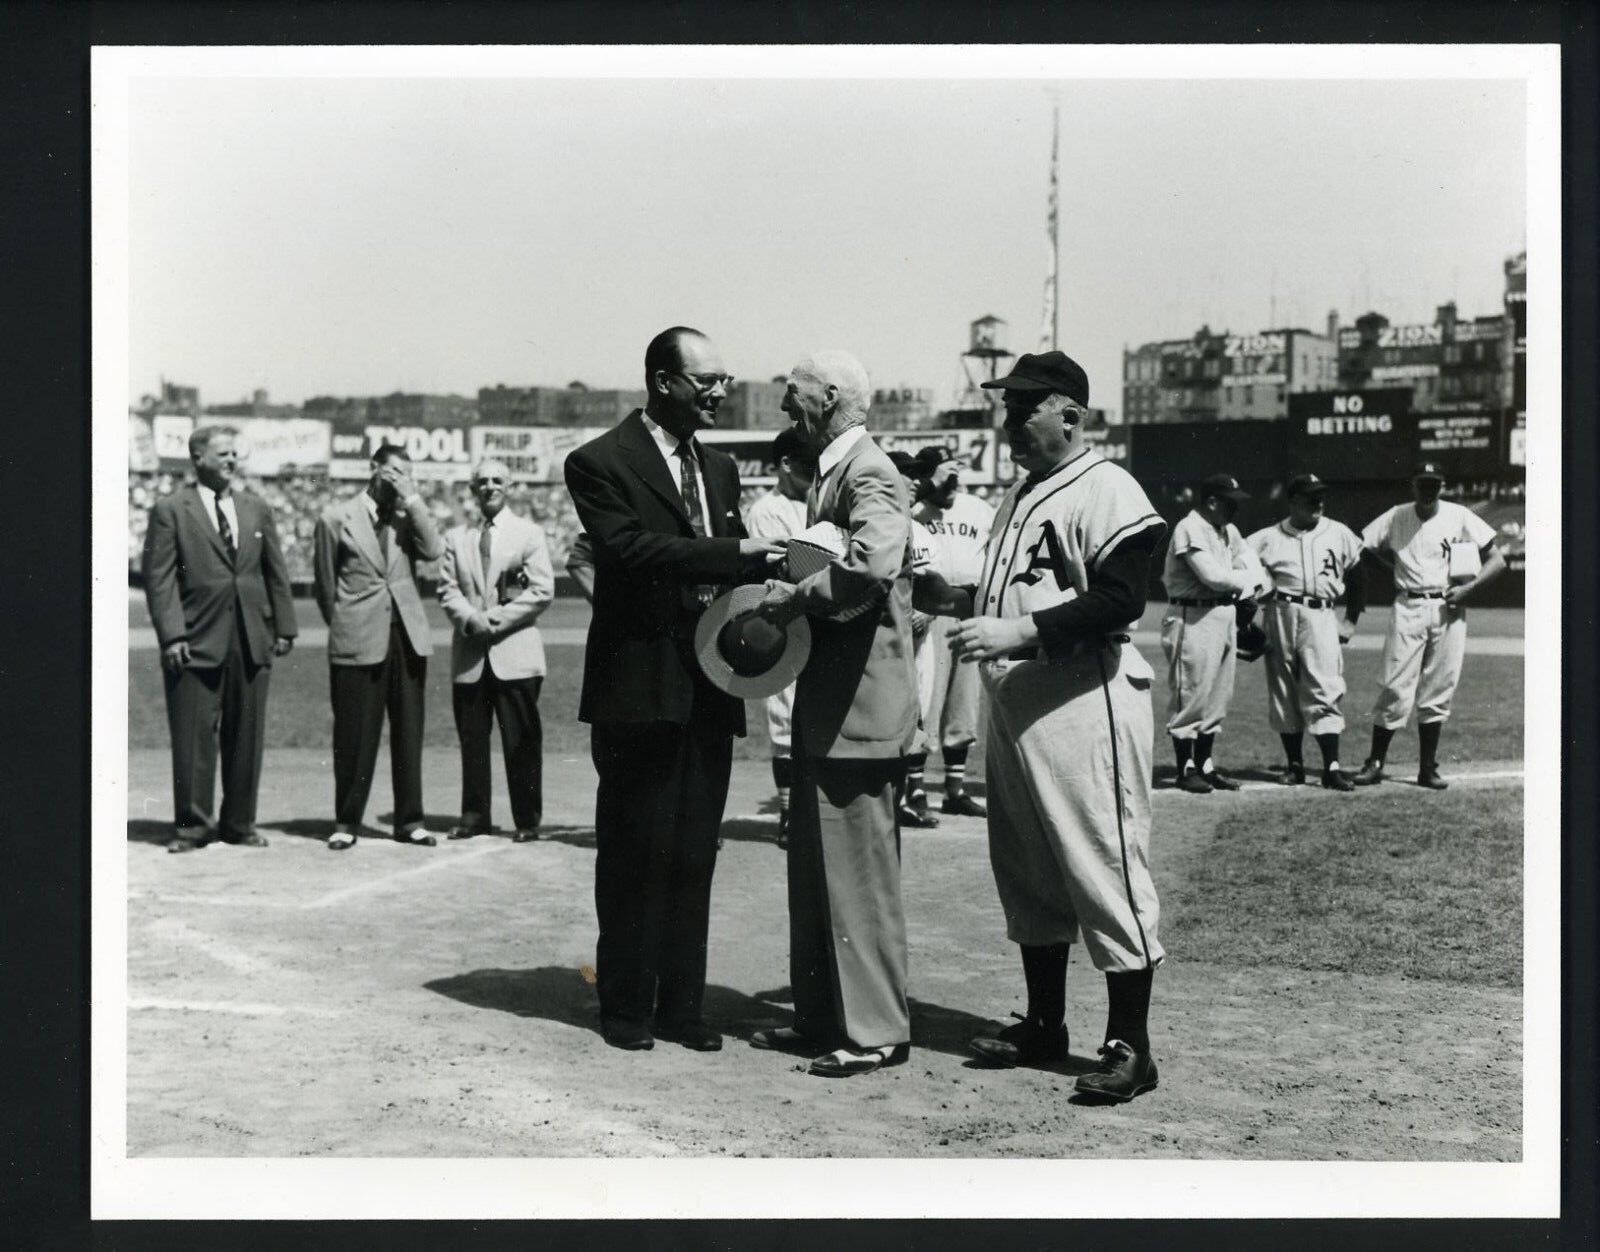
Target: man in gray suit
x=494, y=582
x=365, y=580
x=855, y=714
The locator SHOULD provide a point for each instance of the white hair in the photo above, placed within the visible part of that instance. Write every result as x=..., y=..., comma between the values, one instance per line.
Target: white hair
x=837, y=368
x=477, y=470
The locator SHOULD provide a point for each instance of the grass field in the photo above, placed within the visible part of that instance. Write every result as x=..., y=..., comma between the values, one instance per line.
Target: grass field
x=1344, y=977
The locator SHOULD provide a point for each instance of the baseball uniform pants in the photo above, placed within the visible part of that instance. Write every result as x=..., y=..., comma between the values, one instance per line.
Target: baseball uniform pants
x=1422, y=656
x=780, y=713
x=1068, y=759
x=1305, y=669
x=1200, y=648
x=949, y=702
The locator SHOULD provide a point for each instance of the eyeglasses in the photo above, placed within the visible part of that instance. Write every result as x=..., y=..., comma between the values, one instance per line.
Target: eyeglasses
x=707, y=382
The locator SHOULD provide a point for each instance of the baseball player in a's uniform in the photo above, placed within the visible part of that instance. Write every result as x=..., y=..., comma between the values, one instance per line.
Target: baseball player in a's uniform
x=959, y=523
x=1312, y=561
x=911, y=802
x=1209, y=569
x=1441, y=552
x=1070, y=727
x=780, y=513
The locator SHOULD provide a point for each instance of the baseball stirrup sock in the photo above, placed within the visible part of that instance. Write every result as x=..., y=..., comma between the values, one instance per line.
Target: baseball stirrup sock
x=1202, y=758
x=1428, y=743
x=1380, y=743
x=1293, y=748
x=783, y=779
x=1044, y=966
x=1129, y=1015
x=955, y=770
x=915, y=766
x=1181, y=749
x=1330, y=750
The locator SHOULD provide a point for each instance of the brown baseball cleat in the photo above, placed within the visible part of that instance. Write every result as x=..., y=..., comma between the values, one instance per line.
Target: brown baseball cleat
x=1369, y=775
x=1122, y=1074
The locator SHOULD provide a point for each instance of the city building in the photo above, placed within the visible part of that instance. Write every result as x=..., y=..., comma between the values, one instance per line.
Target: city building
x=398, y=408
x=1212, y=376
x=174, y=398
x=520, y=406
x=902, y=408
x=1455, y=363
x=258, y=405
x=1174, y=380
x=753, y=406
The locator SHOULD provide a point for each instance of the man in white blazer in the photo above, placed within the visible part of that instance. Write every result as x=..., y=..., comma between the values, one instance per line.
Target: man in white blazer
x=494, y=581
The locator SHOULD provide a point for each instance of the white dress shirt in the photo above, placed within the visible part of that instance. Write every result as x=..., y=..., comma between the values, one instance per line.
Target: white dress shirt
x=667, y=444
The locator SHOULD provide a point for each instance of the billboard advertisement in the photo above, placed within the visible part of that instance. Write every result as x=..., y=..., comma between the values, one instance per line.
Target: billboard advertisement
x=436, y=453
x=975, y=448
x=170, y=433
x=533, y=454
x=142, y=445
x=1352, y=436
x=274, y=445
x=1466, y=445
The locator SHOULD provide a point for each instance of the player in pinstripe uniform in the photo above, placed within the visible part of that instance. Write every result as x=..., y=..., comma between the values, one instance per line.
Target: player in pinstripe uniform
x=1070, y=728
x=1312, y=560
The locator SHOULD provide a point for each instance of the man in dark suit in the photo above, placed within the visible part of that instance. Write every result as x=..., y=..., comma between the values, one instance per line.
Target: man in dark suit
x=855, y=714
x=366, y=551
x=219, y=596
x=662, y=514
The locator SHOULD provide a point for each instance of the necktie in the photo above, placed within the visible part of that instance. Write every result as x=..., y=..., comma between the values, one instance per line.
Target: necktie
x=689, y=489
x=225, y=530
x=382, y=524
x=689, y=486
x=484, y=542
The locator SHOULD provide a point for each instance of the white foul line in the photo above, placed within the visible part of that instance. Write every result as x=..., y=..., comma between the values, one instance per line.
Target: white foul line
x=378, y=884
x=227, y=1006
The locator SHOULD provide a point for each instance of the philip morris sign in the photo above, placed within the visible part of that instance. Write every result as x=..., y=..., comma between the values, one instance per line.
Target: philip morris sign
x=1352, y=436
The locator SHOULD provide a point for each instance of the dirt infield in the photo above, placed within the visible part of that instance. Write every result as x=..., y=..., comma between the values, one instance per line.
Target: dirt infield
x=396, y=1002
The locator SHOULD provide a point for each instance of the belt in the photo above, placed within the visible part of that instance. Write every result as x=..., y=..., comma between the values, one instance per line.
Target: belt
x=1311, y=602
x=1420, y=595
x=1187, y=602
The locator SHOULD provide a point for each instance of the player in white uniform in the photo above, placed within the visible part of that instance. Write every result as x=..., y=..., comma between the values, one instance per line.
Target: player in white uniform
x=911, y=801
x=1312, y=560
x=1433, y=546
x=1209, y=569
x=781, y=514
x=1070, y=728
x=959, y=523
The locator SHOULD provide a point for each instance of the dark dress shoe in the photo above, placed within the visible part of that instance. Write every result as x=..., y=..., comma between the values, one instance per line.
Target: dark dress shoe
x=849, y=1062
x=1369, y=775
x=526, y=836
x=248, y=841
x=1220, y=781
x=1194, y=783
x=1292, y=775
x=417, y=838
x=1334, y=780
x=1122, y=1074
x=963, y=805
x=341, y=841
x=783, y=830
x=186, y=845
x=467, y=832
x=1429, y=777
x=696, y=1036
x=782, y=1039
x=1022, y=1043
x=629, y=1036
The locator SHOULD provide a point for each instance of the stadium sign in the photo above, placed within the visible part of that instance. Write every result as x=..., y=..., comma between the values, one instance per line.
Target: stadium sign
x=1352, y=436
x=1411, y=336
x=437, y=453
x=272, y=445
x=533, y=454
x=1269, y=344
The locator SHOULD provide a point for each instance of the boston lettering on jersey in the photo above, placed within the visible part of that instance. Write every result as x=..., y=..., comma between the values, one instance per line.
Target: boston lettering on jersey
x=965, y=529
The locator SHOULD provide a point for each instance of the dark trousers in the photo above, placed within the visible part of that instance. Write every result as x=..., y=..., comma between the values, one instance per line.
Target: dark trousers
x=226, y=702
x=657, y=811
x=362, y=694
x=515, y=702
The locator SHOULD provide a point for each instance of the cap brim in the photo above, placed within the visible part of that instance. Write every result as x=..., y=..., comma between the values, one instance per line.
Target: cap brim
x=1012, y=383
x=721, y=675
x=1238, y=495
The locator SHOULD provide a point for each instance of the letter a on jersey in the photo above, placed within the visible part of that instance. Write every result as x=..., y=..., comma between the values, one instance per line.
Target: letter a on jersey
x=1045, y=555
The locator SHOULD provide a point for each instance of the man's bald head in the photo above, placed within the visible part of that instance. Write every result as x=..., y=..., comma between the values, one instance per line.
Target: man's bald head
x=665, y=351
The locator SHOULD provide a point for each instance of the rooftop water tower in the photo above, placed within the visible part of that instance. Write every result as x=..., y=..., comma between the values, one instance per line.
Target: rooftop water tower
x=981, y=362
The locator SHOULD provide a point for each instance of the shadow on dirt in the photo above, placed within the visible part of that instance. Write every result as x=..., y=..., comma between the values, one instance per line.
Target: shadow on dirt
x=560, y=994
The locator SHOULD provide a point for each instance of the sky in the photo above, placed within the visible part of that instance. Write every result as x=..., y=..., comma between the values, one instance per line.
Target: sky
x=359, y=236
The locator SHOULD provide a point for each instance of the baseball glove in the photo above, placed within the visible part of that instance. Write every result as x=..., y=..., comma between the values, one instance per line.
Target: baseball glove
x=1251, y=642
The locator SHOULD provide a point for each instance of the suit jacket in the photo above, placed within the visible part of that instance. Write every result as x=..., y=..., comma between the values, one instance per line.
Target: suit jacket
x=193, y=590
x=357, y=592
x=640, y=665
x=519, y=560
x=857, y=695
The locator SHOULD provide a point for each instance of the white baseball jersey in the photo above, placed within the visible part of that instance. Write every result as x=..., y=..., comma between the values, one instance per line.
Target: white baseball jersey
x=1194, y=534
x=775, y=516
x=924, y=551
x=1307, y=562
x=1421, y=549
x=959, y=533
x=1050, y=532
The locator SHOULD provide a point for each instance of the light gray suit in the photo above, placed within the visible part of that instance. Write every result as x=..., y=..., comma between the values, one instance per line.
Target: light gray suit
x=855, y=713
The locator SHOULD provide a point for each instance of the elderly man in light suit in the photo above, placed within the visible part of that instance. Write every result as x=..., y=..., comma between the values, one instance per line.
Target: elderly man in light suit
x=366, y=551
x=494, y=582
x=855, y=714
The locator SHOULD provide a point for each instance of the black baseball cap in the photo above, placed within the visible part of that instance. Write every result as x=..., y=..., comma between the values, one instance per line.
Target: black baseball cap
x=1223, y=485
x=1047, y=371
x=790, y=443
x=1428, y=469
x=1304, y=485
x=904, y=462
x=932, y=457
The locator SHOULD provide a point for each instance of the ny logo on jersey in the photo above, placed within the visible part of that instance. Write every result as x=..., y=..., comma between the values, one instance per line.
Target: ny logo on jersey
x=1047, y=554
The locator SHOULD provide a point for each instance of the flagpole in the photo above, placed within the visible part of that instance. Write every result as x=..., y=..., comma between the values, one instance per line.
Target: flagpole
x=1050, y=324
